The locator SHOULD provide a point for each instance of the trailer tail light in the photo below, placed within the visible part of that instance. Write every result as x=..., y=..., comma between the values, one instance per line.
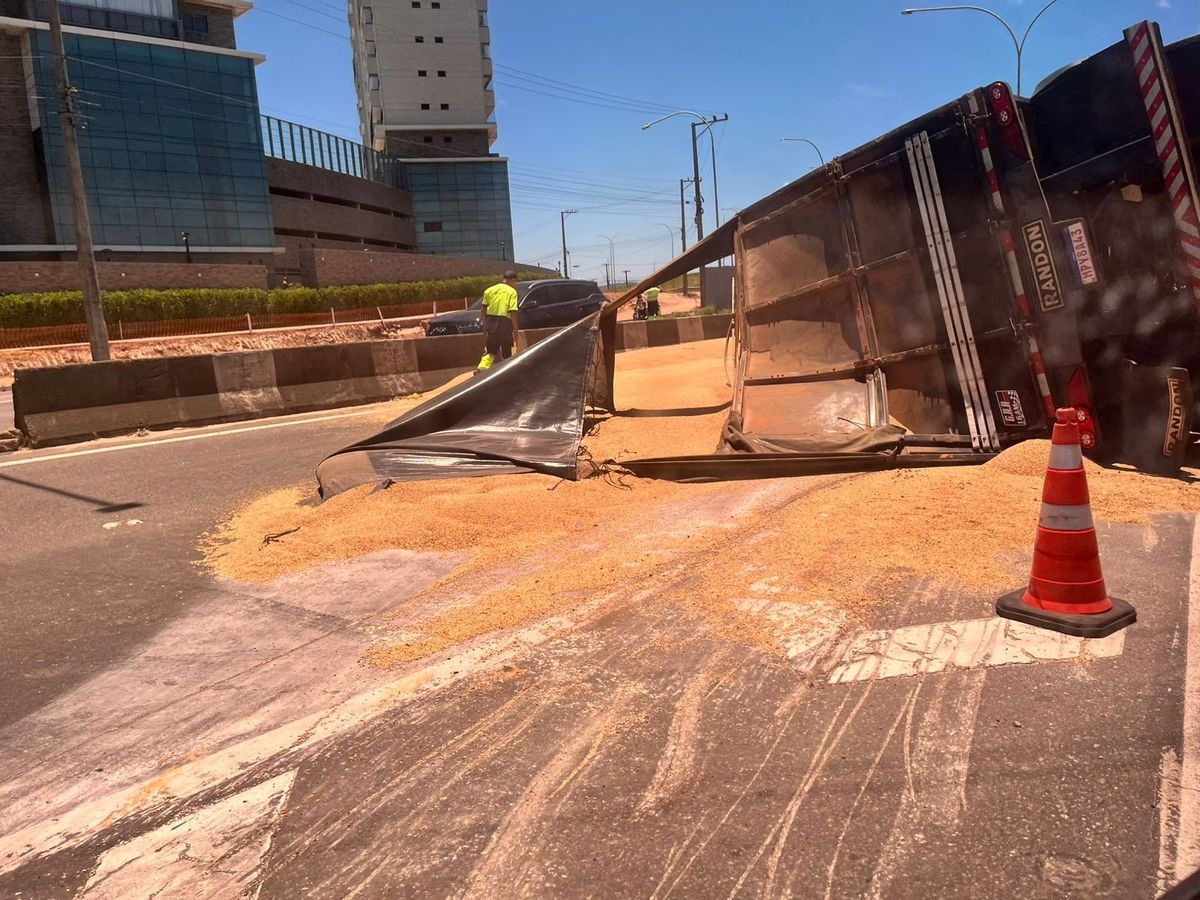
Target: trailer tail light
x=1004, y=109
x=1080, y=397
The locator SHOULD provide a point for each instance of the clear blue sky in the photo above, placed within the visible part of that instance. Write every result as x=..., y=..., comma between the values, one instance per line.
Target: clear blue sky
x=837, y=72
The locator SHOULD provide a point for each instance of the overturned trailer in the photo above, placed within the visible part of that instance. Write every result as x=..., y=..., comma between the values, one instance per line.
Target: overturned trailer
x=929, y=298
x=941, y=290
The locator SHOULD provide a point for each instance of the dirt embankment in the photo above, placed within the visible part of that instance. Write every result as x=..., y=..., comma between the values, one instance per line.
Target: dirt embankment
x=668, y=304
x=11, y=360
x=842, y=543
x=187, y=346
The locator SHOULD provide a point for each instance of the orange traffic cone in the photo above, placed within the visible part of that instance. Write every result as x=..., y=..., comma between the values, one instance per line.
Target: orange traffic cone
x=1066, y=590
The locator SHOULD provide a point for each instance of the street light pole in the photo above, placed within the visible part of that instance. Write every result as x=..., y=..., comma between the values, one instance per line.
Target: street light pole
x=671, y=232
x=612, y=254
x=1019, y=45
x=820, y=155
x=607, y=278
x=700, y=121
x=93, y=307
x=563, y=221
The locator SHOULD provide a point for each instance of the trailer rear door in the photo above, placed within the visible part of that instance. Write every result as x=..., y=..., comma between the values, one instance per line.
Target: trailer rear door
x=875, y=307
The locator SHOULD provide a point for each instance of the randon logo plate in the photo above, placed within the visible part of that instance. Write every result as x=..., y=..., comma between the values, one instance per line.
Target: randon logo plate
x=1175, y=427
x=1044, y=273
x=1010, y=409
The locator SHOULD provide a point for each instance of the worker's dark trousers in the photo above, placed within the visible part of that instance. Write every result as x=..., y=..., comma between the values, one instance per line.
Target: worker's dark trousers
x=499, y=337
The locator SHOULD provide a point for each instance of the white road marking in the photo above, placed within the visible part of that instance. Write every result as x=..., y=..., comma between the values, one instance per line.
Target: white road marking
x=1187, y=857
x=71, y=827
x=216, y=851
x=112, y=448
x=1168, y=820
x=969, y=644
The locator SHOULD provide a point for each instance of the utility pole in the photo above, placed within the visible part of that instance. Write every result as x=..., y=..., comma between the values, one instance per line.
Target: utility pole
x=93, y=308
x=626, y=279
x=607, y=276
x=683, y=182
x=566, y=272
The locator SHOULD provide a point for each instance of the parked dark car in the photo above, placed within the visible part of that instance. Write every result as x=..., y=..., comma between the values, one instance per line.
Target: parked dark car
x=542, y=304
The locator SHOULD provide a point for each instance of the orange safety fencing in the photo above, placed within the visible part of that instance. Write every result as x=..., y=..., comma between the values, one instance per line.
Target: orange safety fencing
x=54, y=335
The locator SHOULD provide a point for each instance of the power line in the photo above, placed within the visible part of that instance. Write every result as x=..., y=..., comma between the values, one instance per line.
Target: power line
x=566, y=85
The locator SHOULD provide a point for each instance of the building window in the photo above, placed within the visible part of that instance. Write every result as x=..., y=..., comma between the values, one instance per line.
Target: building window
x=445, y=106
x=368, y=15
x=418, y=39
x=447, y=140
x=372, y=82
x=424, y=106
x=372, y=50
x=441, y=73
x=433, y=226
x=435, y=5
x=438, y=39
x=421, y=73
x=429, y=138
x=195, y=23
x=416, y=4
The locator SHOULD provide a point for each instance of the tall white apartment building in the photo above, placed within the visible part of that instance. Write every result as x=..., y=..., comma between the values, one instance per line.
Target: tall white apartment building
x=423, y=75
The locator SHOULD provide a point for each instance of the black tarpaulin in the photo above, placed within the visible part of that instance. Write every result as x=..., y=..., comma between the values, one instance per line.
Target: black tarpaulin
x=525, y=415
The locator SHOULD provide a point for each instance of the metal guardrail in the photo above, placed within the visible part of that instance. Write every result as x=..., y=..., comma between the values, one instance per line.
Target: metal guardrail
x=299, y=143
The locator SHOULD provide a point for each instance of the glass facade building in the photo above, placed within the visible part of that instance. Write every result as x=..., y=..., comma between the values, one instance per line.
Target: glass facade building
x=170, y=143
x=462, y=207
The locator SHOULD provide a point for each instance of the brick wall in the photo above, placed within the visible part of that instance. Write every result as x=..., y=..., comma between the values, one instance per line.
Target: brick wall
x=24, y=214
x=220, y=26
x=377, y=267
x=432, y=144
x=21, y=277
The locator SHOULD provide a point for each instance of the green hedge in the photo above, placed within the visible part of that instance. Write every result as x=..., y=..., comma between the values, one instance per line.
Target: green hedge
x=66, y=307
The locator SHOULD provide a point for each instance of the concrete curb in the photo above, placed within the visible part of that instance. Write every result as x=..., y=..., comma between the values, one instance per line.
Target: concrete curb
x=63, y=404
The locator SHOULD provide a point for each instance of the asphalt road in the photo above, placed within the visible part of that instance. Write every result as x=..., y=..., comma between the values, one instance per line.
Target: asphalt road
x=158, y=728
x=6, y=410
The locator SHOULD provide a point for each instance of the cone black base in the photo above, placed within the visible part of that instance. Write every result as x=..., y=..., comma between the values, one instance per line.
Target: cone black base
x=1095, y=625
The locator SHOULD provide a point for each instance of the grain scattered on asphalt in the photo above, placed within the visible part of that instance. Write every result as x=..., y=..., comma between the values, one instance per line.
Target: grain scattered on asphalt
x=538, y=547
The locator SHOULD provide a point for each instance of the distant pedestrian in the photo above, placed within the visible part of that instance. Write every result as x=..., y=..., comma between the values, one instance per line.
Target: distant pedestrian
x=500, y=325
x=652, y=307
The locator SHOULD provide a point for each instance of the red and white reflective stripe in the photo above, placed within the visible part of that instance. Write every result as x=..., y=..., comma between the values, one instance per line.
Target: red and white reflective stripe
x=1014, y=270
x=1174, y=156
x=1039, y=371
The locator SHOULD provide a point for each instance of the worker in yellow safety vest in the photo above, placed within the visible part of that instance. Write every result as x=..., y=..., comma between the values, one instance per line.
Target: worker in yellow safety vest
x=652, y=308
x=500, y=326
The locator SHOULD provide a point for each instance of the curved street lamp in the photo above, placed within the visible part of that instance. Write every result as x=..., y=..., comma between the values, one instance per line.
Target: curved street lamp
x=1018, y=44
x=708, y=123
x=820, y=156
x=671, y=232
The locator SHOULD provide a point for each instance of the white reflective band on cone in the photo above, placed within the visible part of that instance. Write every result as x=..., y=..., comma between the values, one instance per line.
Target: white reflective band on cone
x=1066, y=457
x=1067, y=518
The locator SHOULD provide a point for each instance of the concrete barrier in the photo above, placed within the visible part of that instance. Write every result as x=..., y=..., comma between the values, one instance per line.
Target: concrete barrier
x=61, y=404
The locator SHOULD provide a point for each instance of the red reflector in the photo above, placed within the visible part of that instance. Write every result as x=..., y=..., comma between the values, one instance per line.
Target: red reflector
x=1078, y=394
x=1080, y=397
